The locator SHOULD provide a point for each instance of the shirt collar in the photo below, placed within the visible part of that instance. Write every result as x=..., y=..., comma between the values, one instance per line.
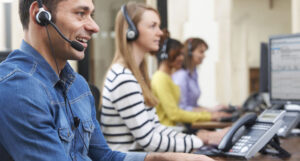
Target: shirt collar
x=67, y=75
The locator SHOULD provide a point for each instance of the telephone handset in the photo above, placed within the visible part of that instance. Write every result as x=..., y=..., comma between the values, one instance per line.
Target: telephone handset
x=250, y=134
x=255, y=103
x=247, y=120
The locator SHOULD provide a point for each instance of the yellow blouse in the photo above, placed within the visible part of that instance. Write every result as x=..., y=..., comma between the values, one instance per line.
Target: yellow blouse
x=168, y=111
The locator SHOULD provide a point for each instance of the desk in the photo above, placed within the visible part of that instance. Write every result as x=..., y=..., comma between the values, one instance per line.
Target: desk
x=291, y=144
x=210, y=125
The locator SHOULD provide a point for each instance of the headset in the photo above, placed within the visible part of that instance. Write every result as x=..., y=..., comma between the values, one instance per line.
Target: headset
x=163, y=54
x=43, y=18
x=189, y=44
x=132, y=32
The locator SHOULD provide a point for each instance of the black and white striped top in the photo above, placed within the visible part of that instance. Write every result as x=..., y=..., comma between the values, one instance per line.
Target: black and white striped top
x=129, y=125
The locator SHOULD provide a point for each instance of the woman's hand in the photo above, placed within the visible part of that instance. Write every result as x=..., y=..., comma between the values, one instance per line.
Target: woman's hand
x=216, y=116
x=212, y=137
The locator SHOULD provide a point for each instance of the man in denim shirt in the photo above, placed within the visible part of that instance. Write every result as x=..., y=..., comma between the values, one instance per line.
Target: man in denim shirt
x=47, y=110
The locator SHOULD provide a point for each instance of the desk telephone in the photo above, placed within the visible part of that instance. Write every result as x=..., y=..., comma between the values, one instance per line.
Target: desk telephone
x=254, y=103
x=251, y=134
x=290, y=120
x=258, y=102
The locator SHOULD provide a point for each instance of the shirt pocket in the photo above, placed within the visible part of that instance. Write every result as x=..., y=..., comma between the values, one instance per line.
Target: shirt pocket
x=88, y=129
x=66, y=136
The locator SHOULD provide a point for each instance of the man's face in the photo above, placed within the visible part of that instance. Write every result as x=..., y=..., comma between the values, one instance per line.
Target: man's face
x=74, y=19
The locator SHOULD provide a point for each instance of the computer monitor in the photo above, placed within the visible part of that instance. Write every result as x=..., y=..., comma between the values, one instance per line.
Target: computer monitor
x=284, y=67
x=263, y=71
x=3, y=55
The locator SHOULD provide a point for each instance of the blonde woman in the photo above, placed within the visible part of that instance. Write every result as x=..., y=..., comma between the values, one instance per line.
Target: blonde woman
x=128, y=119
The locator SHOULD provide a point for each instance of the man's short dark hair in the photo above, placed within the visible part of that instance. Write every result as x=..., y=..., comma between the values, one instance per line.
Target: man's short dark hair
x=24, y=6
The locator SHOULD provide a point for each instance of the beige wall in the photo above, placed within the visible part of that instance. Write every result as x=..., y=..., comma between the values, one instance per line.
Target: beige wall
x=17, y=31
x=16, y=27
x=106, y=11
x=295, y=11
x=234, y=32
x=2, y=41
x=252, y=22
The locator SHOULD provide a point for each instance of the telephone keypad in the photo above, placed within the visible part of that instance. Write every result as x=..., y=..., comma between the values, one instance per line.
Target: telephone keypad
x=250, y=137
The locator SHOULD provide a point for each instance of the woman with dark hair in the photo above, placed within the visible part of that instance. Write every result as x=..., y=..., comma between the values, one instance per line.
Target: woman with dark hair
x=187, y=77
x=170, y=58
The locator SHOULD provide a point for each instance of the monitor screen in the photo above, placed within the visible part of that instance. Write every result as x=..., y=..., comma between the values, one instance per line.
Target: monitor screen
x=3, y=55
x=284, y=67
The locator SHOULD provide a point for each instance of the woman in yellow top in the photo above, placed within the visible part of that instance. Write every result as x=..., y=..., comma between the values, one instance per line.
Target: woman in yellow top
x=170, y=58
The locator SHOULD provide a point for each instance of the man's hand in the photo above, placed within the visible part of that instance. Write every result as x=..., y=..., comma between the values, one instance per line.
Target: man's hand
x=176, y=157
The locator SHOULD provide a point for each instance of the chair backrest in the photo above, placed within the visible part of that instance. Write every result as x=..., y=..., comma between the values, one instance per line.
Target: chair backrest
x=3, y=55
x=96, y=93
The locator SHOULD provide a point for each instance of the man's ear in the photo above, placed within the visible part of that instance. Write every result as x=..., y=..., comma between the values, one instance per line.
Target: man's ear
x=33, y=10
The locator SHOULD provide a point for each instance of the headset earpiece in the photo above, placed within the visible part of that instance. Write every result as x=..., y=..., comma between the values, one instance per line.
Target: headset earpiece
x=43, y=17
x=132, y=32
x=163, y=54
x=190, y=52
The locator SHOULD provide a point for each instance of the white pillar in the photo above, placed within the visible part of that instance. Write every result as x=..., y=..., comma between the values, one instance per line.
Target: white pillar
x=2, y=27
x=295, y=16
x=223, y=65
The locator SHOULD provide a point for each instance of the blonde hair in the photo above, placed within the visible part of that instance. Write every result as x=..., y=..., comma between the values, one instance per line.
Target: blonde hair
x=123, y=51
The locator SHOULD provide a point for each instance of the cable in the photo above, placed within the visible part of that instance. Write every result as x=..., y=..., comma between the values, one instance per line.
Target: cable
x=52, y=50
x=76, y=120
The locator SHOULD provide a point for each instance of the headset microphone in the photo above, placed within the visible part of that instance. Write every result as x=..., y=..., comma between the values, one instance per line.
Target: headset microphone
x=43, y=18
x=76, y=45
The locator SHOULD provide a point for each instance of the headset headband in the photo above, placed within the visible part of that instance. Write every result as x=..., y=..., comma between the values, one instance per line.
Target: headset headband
x=132, y=32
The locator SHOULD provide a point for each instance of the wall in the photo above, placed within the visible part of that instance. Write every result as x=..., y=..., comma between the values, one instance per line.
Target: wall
x=2, y=38
x=252, y=22
x=295, y=11
x=16, y=27
x=223, y=71
x=105, y=14
x=234, y=30
x=17, y=31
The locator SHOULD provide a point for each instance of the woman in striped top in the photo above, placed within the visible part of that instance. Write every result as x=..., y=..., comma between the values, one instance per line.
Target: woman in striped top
x=128, y=119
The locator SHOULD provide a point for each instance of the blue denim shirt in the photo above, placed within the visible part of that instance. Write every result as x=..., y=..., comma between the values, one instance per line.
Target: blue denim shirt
x=36, y=122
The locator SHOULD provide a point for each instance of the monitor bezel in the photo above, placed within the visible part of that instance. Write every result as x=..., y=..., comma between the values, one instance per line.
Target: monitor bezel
x=273, y=100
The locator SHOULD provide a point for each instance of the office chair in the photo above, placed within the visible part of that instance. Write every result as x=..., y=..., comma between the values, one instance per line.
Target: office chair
x=3, y=55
